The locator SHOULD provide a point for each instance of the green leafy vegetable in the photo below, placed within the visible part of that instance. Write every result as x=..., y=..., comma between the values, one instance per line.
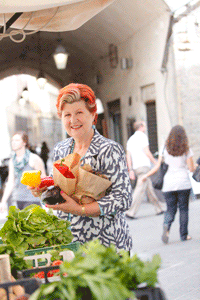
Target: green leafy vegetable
x=98, y=272
x=33, y=228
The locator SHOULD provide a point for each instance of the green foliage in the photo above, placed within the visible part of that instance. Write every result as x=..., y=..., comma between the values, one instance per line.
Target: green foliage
x=33, y=228
x=101, y=272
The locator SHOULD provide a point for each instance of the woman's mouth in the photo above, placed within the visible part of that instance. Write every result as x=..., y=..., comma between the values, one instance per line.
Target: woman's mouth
x=76, y=127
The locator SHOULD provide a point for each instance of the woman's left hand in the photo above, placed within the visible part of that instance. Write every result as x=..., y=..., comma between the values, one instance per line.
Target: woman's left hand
x=69, y=206
x=143, y=178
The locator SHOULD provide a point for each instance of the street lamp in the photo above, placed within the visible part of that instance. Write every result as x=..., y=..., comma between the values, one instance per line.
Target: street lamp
x=41, y=79
x=60, y=57
x=100, y=108
x=25, y=94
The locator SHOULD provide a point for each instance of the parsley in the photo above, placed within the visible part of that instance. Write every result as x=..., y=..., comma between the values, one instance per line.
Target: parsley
x=98, y=272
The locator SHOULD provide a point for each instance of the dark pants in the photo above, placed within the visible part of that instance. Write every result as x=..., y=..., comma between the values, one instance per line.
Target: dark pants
x=177, y=199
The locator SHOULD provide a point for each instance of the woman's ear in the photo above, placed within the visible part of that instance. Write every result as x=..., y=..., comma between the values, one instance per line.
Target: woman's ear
x=95, y=119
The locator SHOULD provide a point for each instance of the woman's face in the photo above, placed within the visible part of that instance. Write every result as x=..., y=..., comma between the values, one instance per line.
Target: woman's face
x=77, y=119
x=17, y=142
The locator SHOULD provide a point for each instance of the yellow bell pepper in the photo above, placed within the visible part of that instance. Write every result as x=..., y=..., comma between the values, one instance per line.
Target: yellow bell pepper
x=31, y=178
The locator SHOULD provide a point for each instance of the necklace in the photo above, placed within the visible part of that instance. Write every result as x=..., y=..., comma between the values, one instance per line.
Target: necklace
x=72, y=147
x=72, y=150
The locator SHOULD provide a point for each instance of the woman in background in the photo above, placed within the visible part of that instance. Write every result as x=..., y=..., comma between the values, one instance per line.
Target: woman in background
x=21, y=160
x=176, y=185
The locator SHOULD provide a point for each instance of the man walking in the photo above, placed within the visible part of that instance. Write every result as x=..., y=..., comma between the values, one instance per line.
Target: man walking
x=139, y=159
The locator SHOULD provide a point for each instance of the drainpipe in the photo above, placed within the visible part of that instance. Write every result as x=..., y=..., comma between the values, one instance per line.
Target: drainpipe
x=167, y=44
x=164, y=69
x=189, y=7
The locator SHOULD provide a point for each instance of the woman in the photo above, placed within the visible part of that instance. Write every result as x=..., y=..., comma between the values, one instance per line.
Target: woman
x=176, y=185
x=21, y=160
x=103, y=219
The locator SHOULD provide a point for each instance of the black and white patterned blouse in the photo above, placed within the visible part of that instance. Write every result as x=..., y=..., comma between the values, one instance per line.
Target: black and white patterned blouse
x=106, y=157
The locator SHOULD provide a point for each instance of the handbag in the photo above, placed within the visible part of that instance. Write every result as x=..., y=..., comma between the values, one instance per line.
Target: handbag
x=158, y=177
x=196, y=174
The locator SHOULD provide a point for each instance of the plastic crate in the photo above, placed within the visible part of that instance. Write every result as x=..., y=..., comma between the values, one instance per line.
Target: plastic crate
x=27, y=273
x=72, y=246
x=30, y=285
x=150, y=293
x=40, y=256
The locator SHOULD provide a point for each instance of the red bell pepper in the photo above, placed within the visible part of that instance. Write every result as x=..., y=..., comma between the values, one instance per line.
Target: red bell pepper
x=46, y=182
x=64, y=169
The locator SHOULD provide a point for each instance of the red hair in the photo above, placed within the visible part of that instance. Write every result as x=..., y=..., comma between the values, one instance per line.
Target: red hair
x=74, y=92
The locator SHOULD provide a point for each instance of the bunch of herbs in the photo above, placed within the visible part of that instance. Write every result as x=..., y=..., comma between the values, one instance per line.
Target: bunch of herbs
x=98, y=272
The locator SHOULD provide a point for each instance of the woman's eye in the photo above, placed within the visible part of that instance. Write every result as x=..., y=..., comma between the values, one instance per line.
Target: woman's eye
x=67, y=115
x=79, y=112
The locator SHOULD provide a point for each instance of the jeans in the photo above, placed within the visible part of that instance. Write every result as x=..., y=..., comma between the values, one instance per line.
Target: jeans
x=177, y=199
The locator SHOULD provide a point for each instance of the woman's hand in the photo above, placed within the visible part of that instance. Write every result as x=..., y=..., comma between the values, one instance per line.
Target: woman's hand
x=36, y=192
x=69, y=206
x=143, y=178
x=131, y=174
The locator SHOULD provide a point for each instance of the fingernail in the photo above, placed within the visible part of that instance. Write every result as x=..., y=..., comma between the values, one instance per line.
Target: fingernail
x=61, y=192
x=45, y=205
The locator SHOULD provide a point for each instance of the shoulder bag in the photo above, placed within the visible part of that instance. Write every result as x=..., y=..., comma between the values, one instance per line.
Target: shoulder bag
x=196, y=174
x=158, y=177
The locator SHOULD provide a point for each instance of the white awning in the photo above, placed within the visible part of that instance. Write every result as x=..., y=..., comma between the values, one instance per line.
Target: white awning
x=10, y=6
x=56, y=15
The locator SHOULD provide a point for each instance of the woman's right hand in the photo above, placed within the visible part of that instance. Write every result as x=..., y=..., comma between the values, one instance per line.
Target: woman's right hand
x=36, y=192
x=131, y=174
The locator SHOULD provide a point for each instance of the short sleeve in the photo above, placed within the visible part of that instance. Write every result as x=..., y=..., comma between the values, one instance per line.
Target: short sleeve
x=144, y=141
x=161, y=150
x=128, y=145
x=190, y=153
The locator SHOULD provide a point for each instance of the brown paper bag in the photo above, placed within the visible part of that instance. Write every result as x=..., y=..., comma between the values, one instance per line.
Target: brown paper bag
x=86, y=187
x=67, y=185
x=91, y=185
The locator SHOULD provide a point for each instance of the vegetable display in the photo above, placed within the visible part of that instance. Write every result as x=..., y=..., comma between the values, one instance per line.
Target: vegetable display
x=98, y=272
x=51, y=273
x=33, y=227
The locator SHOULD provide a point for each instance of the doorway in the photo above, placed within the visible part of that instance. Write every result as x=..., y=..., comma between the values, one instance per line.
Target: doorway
x=152, y=125
x=115, y=121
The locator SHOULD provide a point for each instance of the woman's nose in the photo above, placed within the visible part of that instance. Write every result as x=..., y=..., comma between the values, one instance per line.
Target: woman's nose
x=73, y=118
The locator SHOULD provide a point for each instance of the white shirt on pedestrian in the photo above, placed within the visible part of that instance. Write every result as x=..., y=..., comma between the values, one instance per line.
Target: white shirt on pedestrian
x=135, y=145
x=177, y=176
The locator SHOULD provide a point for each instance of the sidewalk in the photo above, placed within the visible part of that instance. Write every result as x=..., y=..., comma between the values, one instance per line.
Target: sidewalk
x=179, y=276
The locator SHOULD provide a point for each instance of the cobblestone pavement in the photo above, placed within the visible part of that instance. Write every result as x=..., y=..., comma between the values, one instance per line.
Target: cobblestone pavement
x=179, y=276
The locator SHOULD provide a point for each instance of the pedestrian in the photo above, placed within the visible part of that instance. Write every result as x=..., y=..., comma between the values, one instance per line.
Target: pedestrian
x=103, y=219
x=176, y=185
x=44, y=154
x=139, y=159
x=21, y=160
